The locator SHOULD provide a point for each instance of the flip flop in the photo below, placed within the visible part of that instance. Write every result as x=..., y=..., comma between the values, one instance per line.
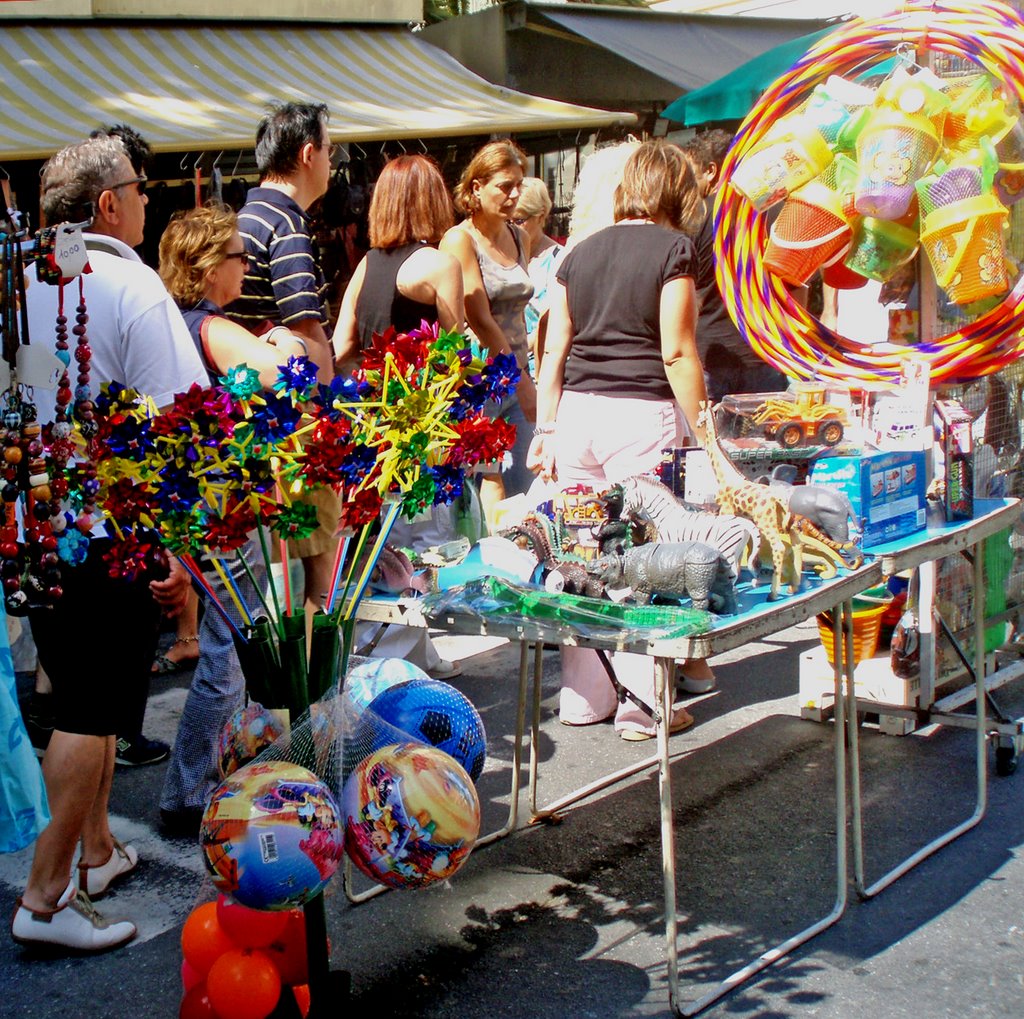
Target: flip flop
x=164, y=666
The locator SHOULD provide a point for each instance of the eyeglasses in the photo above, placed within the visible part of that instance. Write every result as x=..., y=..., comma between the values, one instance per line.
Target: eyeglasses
x=139, y=182
x=242, y=256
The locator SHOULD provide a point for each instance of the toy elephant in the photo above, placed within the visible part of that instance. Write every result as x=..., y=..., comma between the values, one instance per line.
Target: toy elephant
x=827, y=508
x=672, y=570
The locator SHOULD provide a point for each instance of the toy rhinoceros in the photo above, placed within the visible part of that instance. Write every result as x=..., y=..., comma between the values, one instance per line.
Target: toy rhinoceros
x=672, y=570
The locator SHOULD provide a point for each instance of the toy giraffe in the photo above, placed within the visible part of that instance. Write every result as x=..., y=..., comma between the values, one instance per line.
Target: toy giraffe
x=745, y=498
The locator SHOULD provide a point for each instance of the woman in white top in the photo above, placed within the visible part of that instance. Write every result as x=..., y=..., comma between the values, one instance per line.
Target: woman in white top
x=493, y=253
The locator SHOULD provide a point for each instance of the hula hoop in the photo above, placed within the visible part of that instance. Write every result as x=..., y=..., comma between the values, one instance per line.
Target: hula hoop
x=775, y=326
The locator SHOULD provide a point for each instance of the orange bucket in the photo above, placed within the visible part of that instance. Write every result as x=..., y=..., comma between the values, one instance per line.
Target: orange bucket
x=964, y=243
x=867, y=625
x=811, y=232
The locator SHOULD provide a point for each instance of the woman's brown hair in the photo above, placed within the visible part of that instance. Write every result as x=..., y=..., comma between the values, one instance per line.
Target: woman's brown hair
x=410, y=203
x=193, y=243
x=658, y=181
x=486, y=162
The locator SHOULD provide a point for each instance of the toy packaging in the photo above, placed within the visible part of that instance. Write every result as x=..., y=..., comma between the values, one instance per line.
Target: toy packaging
x=958, y=452
x=886, y=490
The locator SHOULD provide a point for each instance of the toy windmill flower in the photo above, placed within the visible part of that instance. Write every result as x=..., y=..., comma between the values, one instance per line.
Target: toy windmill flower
x=217, y=475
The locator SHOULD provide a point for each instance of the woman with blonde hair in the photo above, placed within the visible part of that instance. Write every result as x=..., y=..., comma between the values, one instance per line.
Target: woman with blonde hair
x=403, y=280
x=493, y=253
x=621, y=376
x=202, y=264
x=532, y=214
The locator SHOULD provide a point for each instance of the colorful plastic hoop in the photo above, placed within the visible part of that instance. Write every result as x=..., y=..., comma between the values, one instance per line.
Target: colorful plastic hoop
x=775, y=326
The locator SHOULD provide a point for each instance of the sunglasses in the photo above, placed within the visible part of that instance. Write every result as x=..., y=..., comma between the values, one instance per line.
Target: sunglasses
x=242, y=256
x=139, y=182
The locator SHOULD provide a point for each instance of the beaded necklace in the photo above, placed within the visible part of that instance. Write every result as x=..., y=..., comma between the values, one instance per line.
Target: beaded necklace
x=36, y=465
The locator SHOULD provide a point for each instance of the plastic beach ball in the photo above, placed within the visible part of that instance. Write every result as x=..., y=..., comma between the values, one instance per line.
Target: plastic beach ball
x=248, y=732
x=271, y=836
x=412, y=815
x=375, y=675
x=429, y=711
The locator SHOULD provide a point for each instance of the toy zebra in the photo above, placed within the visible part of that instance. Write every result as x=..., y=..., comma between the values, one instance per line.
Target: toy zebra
x=653, y=503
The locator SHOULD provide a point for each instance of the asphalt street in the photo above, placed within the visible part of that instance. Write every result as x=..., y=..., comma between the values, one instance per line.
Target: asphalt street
x=566, y=919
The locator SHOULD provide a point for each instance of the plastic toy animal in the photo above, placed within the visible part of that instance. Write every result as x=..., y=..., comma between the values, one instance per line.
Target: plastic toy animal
x=771, y=516
x=652, y=502
x=672, y=570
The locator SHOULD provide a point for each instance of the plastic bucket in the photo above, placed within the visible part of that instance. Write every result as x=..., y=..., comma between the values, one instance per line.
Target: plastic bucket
x=768, y=174
x=892, y=152
x=880, y=247
x=809, y=233
x=965, y=246
x=868, y=611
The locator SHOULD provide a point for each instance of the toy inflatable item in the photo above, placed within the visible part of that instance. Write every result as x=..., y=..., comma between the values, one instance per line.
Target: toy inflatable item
x=270, y=836
x=411, y=815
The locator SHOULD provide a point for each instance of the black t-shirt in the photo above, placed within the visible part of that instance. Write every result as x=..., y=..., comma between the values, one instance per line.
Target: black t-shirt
x=713, y=322
x=380, y=303
x=614, y=280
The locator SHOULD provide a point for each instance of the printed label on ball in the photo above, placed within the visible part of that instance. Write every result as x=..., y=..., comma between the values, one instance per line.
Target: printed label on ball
x=268, y=847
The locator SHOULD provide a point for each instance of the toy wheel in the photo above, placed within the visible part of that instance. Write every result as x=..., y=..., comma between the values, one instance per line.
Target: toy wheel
x=830, y=433
x=790, y=435
x=1006, y=761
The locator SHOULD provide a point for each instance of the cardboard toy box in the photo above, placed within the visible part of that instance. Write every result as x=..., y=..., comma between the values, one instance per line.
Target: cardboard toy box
x=886, y=490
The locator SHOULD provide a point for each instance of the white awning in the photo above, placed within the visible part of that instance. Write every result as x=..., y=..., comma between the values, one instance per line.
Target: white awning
x=206, y=86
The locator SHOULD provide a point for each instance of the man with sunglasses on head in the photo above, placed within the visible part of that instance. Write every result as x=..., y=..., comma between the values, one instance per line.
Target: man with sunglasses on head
x=97, y=641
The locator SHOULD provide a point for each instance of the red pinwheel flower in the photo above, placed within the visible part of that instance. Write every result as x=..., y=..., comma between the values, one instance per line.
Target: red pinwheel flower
x=361, y=508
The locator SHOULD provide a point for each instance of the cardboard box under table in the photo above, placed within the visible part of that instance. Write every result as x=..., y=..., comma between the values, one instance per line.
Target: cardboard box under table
x=886, y=491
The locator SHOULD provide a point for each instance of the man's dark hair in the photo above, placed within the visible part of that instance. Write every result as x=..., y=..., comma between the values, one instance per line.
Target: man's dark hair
x=281, y=135
x=135, y=146
x=708, y=147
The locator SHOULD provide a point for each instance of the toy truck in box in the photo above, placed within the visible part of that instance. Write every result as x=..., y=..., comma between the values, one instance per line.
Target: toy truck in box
x=801, y=418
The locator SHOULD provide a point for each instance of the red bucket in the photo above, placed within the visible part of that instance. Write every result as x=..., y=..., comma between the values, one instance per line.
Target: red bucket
x=810, y=232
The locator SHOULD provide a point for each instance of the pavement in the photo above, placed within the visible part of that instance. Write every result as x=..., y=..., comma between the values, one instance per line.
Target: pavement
x=566, y=919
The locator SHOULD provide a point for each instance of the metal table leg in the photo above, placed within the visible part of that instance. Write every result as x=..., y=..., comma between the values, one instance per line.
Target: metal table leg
x=864, y=890
x=550, y=811
x=513, y=808
x=668, y=854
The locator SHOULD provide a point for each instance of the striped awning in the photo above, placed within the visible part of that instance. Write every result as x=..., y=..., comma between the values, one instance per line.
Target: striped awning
x=206, y=86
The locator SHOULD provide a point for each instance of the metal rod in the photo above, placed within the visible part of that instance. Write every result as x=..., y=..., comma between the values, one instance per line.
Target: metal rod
x=842, y=619
x=866, y=891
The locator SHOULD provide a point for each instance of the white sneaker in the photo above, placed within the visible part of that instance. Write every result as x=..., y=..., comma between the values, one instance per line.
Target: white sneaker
x=445, y=670
x=73, y=924
x=95, y=881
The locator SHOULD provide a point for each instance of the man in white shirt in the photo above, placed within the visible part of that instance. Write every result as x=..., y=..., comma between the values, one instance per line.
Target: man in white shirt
x=97, y=642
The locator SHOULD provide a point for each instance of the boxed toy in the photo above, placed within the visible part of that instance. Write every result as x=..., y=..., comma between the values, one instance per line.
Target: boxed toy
x=886, y=491
x=957, y=449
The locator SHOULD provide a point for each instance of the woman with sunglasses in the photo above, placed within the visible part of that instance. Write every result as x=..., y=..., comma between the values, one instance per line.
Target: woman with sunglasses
x=202, y=264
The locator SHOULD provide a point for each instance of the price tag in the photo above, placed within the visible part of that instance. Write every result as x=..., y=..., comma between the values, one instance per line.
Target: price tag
x=38, y=366
x=69, y=252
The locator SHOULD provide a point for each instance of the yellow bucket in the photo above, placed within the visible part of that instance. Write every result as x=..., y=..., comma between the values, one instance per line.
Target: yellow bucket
x=965, y=246
x=769, y=173
x=868, y=610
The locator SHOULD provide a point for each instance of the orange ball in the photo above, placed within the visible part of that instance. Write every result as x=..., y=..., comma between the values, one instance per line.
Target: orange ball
x=243, y=984
x=288, y=951
x=196, y=1004
x=203, y=940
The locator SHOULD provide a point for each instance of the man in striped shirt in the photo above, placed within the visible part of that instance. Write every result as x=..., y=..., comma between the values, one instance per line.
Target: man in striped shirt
x=284, y=284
